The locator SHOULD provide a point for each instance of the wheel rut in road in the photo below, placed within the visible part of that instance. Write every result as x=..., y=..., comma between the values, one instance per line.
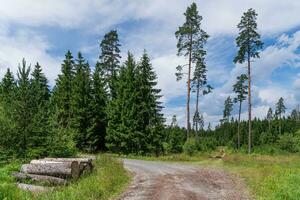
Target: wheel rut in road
x=169, y=181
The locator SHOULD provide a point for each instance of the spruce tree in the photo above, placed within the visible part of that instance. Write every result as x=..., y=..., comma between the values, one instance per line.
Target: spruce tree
x=109, y=59
x=23, y=110
x=62, y=92
x=99, y=105
x=228, y=104
x=150, y=116
x=191, y=39
x=62, y=134
x=9, y=137
x=280, y=110
x=40, y=106
x=122, y=130
x=240, y=88
x=81, y=102
x=249, y=45
x=8, y=91
x=174, y=122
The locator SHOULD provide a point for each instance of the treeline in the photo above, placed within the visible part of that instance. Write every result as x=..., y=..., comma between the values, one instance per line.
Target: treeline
x=272, y=134
x=112, y=107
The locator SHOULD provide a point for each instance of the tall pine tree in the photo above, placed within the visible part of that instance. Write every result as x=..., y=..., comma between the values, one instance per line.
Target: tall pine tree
x=191, y=39
x=249, y=45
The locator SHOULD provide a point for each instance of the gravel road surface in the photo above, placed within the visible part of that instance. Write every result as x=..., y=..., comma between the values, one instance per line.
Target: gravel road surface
x=169, y=181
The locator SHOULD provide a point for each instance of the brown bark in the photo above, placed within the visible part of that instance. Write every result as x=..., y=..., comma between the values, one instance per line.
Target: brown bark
x=197, y=110
x=188, y=124
x=40, y=178
x=238, y=136
x=57, y=169
x=249, y=105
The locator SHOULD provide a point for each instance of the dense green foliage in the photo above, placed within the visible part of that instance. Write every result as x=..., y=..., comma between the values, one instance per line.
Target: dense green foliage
x=112, y=107
x=135, y=124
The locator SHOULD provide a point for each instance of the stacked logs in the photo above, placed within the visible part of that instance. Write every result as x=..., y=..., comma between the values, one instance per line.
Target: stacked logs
x=50, y=172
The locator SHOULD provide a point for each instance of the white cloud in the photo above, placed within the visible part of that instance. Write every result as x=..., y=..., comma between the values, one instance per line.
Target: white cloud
x=28, y=45
x=157, y=21
x=220, y=16
x=165, y=69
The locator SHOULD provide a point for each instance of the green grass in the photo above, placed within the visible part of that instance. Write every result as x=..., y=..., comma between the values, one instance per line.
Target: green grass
x=268, y=177
x=108, y=180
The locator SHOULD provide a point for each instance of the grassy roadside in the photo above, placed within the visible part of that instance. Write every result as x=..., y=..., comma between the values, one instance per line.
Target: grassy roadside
x=108, y=180
x=273, y=177
x=268, y=177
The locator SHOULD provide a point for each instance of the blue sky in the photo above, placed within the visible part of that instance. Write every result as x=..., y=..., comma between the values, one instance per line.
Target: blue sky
x=44, y=30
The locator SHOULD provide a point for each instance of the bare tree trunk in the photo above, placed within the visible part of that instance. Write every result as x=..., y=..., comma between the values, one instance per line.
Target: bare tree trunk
x=197, y=110
x=238, y=136
x=269, y=125
x=189, y=89
x=249, y=105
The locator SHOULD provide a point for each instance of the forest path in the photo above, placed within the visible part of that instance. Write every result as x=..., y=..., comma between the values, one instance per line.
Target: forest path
x=172, y=181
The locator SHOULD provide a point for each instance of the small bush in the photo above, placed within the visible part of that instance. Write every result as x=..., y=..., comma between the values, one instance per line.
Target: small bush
x=206, y=144
x=190, y=147
x=290, y=143
x=266, y=138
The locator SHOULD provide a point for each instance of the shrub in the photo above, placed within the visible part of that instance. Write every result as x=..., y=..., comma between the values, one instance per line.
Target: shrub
x=266, y=138
x=290, y=143
x=175, y=137
x=206, y=144
x=190, y=147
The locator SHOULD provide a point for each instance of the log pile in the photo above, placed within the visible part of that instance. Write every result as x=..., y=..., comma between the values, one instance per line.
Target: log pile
x=50, y=172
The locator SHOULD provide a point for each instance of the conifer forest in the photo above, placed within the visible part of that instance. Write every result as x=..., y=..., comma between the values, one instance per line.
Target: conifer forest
x=112, y=107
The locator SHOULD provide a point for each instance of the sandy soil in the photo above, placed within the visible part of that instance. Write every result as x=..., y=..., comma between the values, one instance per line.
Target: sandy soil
x=169, y=181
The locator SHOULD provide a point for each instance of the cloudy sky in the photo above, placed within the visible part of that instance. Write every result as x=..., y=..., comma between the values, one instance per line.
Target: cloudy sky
x=43, y=30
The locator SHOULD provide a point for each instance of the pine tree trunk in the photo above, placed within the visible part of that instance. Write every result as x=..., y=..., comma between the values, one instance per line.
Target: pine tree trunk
x=238, y=136
x=249, y=104
x=197, y=110
x=189, y=88
x=269, y=126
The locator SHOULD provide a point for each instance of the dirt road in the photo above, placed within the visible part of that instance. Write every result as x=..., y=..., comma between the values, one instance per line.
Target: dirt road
x=168, y=181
